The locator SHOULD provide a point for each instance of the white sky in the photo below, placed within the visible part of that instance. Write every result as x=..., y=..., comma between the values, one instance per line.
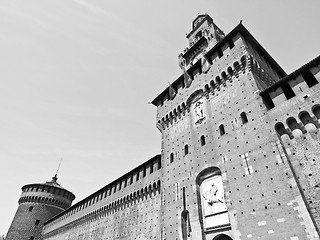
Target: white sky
x=77, y=76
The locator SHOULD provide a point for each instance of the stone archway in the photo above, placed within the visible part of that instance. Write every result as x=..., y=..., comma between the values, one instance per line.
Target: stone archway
x=222, y=237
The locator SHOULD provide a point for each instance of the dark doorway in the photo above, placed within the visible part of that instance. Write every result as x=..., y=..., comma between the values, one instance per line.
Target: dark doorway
x=222, y=237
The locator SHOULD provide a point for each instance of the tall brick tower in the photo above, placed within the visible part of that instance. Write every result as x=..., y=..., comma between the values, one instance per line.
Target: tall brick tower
x=38, y=203
x=227, y=173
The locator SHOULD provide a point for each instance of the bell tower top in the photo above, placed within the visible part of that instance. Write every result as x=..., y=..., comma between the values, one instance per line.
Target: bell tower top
x=205, y=33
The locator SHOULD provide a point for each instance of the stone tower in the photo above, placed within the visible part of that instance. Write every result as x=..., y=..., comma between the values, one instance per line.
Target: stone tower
x=227, y=173
x=38, y=203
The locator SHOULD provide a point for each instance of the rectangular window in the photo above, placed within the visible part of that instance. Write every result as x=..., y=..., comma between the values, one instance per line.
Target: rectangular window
x=30, y=209
x=37, y=222
x=31, y=238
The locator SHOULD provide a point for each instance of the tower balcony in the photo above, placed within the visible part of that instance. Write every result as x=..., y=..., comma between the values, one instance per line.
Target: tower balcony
x=190, y=53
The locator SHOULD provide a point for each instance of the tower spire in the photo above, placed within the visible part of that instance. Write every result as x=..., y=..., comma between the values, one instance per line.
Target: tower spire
x=55, y=178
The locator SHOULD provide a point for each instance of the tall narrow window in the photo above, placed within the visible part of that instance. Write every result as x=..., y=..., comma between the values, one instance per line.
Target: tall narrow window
x=186, y=149
x=280, y=129
x=31, y=238
x=292, y=123
x=221, y=129
x=305, y=118
x=30, y=209
x=203, y=140
x=37, y=222
x=171, y=157
x=244, y=118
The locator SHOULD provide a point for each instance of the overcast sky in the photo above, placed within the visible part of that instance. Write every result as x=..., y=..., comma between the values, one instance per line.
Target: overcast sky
x=77, y=75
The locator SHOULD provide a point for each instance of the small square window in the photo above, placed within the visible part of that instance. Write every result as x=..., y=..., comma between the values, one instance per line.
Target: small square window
x=30, y=209
x=31, y=238
x=37, y=222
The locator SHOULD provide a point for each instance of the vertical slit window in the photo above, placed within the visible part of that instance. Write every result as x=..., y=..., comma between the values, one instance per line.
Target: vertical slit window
x=244, y=118
x=171, y=157
x=186, y=149
x=203, y=140
x=221, y=129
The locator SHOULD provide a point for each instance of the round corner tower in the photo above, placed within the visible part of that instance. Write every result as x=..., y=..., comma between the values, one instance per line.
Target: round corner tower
x=38, y=203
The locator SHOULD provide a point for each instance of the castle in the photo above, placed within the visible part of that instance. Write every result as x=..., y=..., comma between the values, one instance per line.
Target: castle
x=239, y=156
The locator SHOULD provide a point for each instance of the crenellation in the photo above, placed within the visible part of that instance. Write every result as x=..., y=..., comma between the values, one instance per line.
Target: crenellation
x=239, y=154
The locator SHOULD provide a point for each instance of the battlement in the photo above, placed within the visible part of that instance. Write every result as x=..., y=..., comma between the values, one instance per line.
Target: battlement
x=220, y=64
x=122, y=192
x=295, y=84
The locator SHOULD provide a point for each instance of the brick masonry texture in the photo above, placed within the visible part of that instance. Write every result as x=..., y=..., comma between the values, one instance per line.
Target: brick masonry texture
x=239, y=154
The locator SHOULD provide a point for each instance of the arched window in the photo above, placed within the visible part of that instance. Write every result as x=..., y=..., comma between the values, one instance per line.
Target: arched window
x=186, y=149
x=243, y=61
x=292, y=123
x=212, y=207
x=224, y=75
x=316, y=111
x=222, y=237
x=221, y=129
x=203, y=140
x=236, y=66
x=244, y=118
x=207, y=88
x=280, y=129
x=212, y=84
x=305, y=118
x=230, y=71
x=218, y=80
x=171, y=157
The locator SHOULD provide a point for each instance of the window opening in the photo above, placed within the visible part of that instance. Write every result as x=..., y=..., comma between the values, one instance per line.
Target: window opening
x=37, y=222
x=292, y=123
x=280, y=129
x=186, y=149
x=30, y=209
x=203, y=140
x=171, y=157
x=221, y=129
x=316, y=111
x=244, y=118
x=305, y=118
